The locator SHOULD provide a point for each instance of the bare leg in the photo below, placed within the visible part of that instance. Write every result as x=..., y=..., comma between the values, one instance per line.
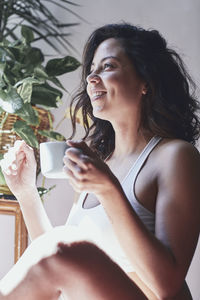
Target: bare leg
x=37, y=285
x=92, y=275
x=80, y=270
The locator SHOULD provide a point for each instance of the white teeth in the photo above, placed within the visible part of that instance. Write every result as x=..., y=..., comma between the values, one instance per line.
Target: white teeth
x=98, y=94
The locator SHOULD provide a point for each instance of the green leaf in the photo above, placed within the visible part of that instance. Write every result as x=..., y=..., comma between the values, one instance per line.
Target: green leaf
x=46, y=95
x=2, y=54
x=29, y=80
x=40, y=72
x=37, y=14
x=26, y=133
x=33, y=57
x=59, y=66
x=25, y=91
x=43, y=191
x=2, y=84
x=14, y=72
x=2, y=179
x=52, y=135
x=10, y=101
x=2, y=68
x=57, y=82
x=25, y=54
x=27, y=33
x=28, y=114
x=16, y=52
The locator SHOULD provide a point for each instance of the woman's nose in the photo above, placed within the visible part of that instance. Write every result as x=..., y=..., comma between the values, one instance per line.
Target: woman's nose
x=93, y=78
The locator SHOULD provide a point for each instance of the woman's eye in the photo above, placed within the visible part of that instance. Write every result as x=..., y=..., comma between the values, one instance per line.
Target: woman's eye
x=108, y=66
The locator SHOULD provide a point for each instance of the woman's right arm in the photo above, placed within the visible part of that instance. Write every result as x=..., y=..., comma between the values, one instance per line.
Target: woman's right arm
x=19, y=169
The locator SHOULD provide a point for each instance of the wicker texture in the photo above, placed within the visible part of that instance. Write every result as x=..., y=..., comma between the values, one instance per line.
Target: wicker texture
x=7, y=138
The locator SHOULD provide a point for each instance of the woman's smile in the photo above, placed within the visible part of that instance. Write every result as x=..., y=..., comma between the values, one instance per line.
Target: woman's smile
x=97, y=95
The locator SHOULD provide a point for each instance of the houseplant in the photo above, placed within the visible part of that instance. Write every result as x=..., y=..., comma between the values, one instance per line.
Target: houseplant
x=29, y=88
x=37, y=14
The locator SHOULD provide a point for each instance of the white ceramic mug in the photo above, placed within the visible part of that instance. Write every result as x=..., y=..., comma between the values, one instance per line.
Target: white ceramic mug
x=51, y=159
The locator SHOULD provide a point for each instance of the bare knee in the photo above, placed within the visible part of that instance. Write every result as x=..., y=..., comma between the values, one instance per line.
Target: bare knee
x=42, y=277
x=94, y=273
x=81, y=255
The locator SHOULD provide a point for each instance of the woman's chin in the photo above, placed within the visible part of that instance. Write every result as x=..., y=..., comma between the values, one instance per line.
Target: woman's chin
x=98, y=110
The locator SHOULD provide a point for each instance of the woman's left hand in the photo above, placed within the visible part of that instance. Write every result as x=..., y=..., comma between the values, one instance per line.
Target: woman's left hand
x=86, y=171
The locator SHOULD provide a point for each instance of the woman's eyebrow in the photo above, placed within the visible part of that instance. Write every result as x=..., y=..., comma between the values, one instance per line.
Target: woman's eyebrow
x=111, y=56
x=107, y=57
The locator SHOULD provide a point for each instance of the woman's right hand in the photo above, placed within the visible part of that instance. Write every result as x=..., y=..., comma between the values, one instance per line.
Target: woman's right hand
x=19, y=168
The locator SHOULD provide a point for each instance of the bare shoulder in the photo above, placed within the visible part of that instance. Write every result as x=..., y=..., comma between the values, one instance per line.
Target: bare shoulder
x=177, y=156
x=178, y=178
x=178, y=200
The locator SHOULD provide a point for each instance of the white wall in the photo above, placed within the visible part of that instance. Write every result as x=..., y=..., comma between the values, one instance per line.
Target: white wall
x=177, y=20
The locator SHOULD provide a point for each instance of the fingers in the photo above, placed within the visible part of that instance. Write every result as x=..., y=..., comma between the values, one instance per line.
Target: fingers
x=78, y=179
x=10, y=163
x=77, y=157
x=76, y=167
x=15, y=156
x=81, y=155
x=79, y=185
x=82, y=146
x=84, y=169
x=11, y=160
x=73, y=168
x=30, y=156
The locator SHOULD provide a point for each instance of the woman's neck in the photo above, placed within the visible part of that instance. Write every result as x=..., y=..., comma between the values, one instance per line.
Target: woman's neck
x=129, y=138
x=129, y=141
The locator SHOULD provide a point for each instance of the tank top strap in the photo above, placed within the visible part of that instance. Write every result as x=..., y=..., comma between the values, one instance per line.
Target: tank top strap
x=133, y=172
x=145, y=153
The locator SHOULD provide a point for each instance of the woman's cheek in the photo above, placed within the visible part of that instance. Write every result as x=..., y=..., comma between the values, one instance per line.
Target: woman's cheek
x=88, y=90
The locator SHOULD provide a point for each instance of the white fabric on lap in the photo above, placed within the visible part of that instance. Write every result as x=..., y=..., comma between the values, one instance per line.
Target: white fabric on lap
x=41, y=247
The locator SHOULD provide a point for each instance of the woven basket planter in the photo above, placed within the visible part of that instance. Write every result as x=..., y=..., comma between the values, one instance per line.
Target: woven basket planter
x=7, y=139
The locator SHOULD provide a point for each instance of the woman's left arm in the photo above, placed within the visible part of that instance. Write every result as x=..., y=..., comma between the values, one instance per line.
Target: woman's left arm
x=161, y=261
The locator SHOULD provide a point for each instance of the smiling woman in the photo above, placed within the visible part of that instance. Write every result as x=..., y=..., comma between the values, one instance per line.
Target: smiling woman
x=138, y=178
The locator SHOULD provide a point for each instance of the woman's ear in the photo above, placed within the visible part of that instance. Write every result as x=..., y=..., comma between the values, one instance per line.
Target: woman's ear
x=145, y=89
x=144, y=92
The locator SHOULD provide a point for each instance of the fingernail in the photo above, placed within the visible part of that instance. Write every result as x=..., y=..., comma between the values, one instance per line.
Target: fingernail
x=14, y=166
x=69, y=141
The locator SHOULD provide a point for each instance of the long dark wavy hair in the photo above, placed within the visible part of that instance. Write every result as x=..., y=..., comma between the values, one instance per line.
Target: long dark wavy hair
x=169, y=109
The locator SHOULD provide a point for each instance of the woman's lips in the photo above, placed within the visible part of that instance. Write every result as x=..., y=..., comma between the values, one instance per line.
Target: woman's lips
x=97, y=95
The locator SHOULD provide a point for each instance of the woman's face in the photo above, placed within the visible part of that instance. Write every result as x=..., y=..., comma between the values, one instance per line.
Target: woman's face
x=113, y=86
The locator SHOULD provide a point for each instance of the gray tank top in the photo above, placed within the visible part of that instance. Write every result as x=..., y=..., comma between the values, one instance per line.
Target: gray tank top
x=96, y=223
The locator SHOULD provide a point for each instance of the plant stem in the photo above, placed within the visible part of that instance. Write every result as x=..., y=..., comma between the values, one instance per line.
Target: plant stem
x=60, y=122
x=50, y=120
x=43, y=181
